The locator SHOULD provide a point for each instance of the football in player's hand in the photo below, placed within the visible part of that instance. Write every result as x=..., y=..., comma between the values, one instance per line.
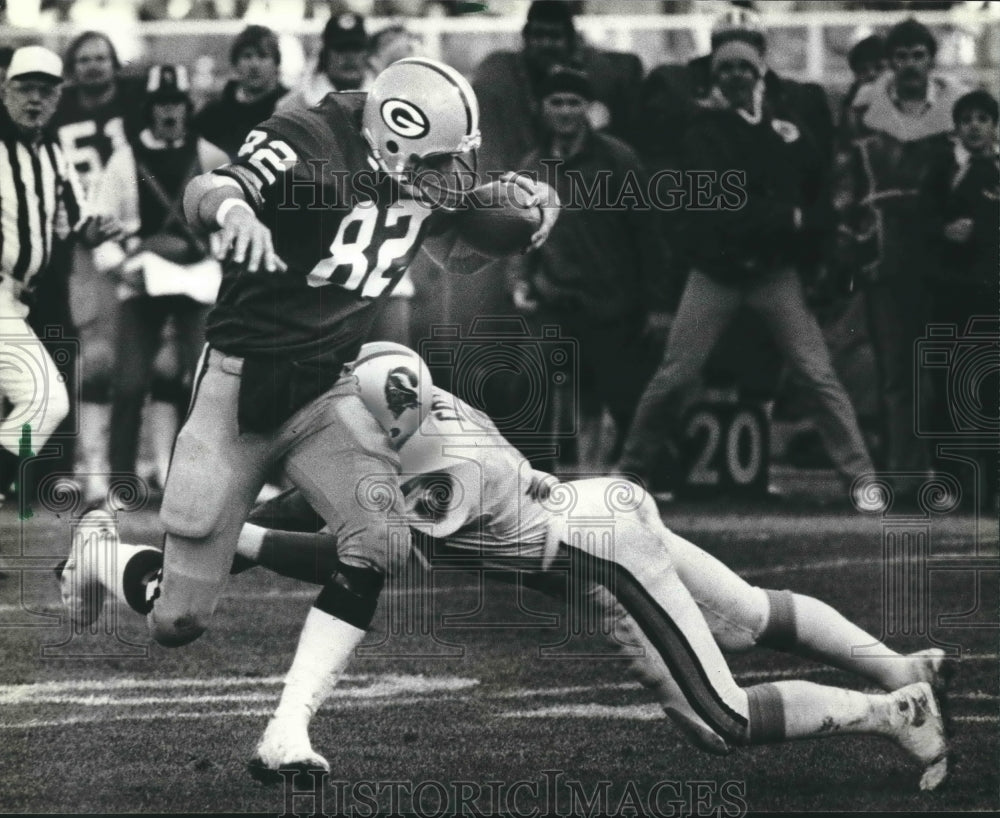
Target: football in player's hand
x=496, y=220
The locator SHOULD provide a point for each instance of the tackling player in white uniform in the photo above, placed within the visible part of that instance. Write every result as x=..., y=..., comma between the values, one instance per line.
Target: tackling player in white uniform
x=474, y=493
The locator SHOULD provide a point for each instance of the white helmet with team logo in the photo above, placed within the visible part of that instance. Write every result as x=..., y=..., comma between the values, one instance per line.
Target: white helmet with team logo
x=421, y=119
x=395, y=387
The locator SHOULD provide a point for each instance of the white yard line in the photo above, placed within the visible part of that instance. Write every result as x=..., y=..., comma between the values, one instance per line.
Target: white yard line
x=632, y=712
x=375, y=686
x=171, y=715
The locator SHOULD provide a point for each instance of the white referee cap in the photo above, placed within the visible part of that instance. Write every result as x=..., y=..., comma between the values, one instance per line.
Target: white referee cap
x=35, y=59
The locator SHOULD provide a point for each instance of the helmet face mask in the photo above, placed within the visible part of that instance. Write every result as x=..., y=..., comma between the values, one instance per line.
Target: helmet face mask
x=421, y=122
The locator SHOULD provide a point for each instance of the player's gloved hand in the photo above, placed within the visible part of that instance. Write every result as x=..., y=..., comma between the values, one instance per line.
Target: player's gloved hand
x=542, y=195
x=248, y=240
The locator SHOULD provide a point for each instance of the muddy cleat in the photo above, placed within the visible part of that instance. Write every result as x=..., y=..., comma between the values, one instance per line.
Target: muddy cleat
x=85, y=575
x=934, y=668
x=284, y=748
x=920, y=731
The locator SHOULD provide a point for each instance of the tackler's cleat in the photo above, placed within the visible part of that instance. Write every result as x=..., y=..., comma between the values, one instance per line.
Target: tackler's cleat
x=935, y=668
x=920, y=731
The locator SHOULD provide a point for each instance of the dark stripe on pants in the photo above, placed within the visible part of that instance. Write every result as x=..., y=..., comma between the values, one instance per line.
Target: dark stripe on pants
x=669, y=641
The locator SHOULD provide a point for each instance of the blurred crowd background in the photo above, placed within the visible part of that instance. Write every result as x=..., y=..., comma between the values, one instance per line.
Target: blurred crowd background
x=640, y=71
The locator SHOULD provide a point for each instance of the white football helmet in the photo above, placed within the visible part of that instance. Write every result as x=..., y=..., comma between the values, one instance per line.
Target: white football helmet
x=395, y=387
x=421, y=122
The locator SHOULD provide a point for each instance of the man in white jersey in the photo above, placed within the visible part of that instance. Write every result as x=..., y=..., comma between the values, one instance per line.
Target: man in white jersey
x=473, y=492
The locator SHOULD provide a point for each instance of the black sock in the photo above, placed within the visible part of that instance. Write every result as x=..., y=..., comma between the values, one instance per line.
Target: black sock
x=141, y=569
x=306, y=557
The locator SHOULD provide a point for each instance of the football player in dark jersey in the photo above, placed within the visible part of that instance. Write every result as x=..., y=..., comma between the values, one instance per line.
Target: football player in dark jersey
x=94, y=115
x=319, y=216
x=94, y=118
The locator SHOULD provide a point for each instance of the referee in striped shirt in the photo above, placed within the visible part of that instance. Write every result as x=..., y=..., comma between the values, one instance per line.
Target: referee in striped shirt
x=38, y=189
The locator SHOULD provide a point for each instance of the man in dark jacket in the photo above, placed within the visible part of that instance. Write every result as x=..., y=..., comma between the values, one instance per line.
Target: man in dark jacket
x=745, y=249
x=599, y=276
x=960, y=203
x=894, y=129
x=672, y=94
x=248, y=99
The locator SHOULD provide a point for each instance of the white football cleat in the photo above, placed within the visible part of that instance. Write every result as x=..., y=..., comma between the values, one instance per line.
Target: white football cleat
x=284, y=746
x=933, y=668
x=84, y=577
x=919, y=730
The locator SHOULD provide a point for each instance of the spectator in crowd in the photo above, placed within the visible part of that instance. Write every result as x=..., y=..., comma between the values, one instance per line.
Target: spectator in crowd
x=392, y=43
x=960, y=199
x=867, y=62
x=672, y=94
x=40, y=181
x=250, y=97
x=341, y=64
x=894, y=128
x=507, y=84
x=96, y=114
x=748, y=256
x=598, y=276
x=143, y=186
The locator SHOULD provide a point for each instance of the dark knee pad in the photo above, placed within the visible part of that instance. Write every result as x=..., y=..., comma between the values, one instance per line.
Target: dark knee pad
x=352, y=595
x=780, y=632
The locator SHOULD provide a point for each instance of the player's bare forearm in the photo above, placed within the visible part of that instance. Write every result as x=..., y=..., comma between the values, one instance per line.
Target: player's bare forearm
x=216, y=203
x=203, y=197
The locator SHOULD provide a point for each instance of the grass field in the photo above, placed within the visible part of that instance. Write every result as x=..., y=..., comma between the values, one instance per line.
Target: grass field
x=459, y=699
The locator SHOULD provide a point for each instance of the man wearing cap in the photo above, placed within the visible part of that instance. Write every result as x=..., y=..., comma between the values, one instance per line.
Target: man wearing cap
x=598, y=275
x=341, y=65
x=143, y=185
x=37, y=184
x=671, y=94
x=747, y=252
x=248, y=99
x=895, y=127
